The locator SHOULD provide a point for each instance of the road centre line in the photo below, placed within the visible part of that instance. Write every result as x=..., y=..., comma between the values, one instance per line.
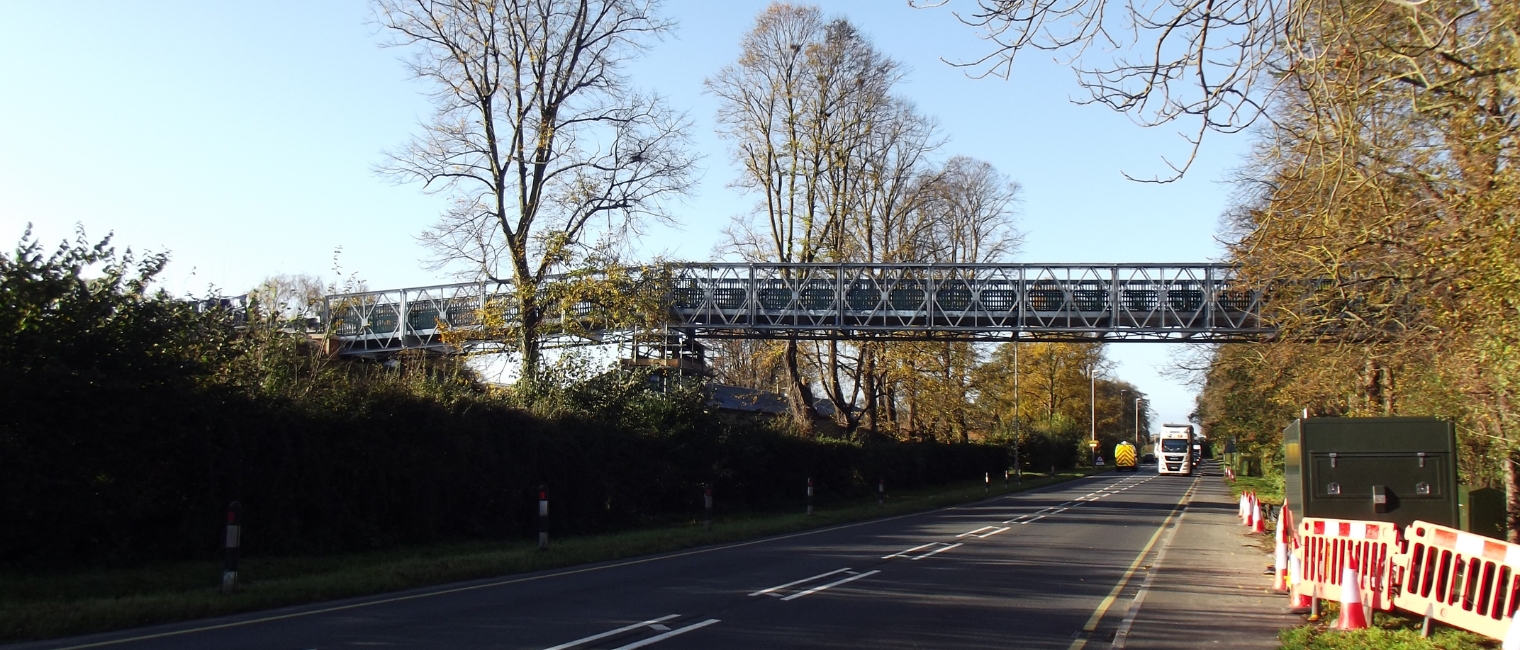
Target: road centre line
x=1000, y=530
x=656, y=639
x=835, y=583
x=938, y=550
x=1067, y=505
x=905, y=553
x=530, y=578
x=604, y=635
x=972, y=532
x=798, y=582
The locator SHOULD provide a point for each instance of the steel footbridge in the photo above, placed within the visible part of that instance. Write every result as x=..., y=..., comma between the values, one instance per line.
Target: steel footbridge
x=1201, y=303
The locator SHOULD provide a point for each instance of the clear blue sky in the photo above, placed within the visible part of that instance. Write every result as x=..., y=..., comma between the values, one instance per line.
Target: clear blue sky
x=241, y=137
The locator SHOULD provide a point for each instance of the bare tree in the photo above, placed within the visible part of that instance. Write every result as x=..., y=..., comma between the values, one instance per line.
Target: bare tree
x=969, y=208
x=797, y=107
x=549, y=156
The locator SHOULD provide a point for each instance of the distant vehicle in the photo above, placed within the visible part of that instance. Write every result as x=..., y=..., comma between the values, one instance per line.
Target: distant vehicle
x=1197, y=452
x=1148, y=458
x=1174, y=449
x=1124, y=457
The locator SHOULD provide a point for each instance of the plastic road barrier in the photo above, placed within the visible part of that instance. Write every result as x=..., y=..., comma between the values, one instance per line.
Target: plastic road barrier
x=1461, y=579
x=1464, y=580
x=1330, y=546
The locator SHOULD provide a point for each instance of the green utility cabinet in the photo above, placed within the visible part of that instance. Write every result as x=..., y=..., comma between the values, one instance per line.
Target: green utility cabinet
x=1372, y=469
x=1482, y=511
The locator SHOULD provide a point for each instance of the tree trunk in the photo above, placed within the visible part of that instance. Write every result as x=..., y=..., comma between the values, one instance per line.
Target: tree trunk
x=1512, y=495
x=843, y=414
x=869, y=379
x=527, y=322
x=1376, y=399
x=799, y=394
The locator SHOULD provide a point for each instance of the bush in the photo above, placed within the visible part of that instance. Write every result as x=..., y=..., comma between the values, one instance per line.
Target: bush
x=136, y=418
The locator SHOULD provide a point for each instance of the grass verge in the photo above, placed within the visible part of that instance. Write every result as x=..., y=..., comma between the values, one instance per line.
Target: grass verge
x=1269, y=489
x=45, y=606
x=1388, y=632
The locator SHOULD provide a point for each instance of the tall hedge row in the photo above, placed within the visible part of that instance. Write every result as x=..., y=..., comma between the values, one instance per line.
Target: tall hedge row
x=125, y=474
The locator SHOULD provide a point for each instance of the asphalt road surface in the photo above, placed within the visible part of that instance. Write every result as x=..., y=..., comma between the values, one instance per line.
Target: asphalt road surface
x=1052, y=568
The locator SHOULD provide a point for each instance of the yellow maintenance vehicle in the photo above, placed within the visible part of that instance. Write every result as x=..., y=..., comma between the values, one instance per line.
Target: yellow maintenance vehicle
x=1124, y=458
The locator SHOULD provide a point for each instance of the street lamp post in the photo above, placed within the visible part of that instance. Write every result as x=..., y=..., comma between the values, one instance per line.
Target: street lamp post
x=1137, y=421
x=1092, y=403
x=1122, y=393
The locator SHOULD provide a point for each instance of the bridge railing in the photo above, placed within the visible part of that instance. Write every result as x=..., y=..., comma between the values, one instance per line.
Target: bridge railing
x=1197, y=302
x=966, y=301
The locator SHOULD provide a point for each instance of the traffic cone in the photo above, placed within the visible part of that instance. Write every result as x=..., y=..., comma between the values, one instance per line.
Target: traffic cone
x=1280, y=554
x=1258, y=525
x=1298, y=603
x=1353, y=617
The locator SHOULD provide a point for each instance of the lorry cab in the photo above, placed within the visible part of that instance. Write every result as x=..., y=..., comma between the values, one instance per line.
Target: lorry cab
x=1174, y=449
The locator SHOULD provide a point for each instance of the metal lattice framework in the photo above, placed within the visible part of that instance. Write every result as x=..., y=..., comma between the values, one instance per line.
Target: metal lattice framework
x=980, y=302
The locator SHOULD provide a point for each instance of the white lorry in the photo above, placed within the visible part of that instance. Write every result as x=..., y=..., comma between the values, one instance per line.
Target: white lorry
x=1174, y=449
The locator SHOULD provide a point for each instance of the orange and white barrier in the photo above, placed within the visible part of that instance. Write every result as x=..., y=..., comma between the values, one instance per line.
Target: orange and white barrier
x=1330, y=546
x=1461, y=579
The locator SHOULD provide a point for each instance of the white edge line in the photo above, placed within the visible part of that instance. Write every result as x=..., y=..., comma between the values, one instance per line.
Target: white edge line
x=604, y=635
x=795, y=582
x=972, y=532
x=939, y=550
x=656, y=639
x=831, y=584
x=1121, y=635
x=1000, y=530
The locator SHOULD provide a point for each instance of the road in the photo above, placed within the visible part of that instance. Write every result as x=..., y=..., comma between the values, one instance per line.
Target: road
x=1052, y=568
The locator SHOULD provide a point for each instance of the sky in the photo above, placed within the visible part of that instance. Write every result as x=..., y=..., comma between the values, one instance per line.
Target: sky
x=242, y=138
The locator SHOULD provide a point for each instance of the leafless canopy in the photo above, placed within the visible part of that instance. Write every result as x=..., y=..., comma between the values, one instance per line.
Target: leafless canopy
x=1158, y=61
x=549, y=156
x=537, y=136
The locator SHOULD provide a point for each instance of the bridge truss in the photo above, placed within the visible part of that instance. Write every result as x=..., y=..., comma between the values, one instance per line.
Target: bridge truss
x=1202, y=303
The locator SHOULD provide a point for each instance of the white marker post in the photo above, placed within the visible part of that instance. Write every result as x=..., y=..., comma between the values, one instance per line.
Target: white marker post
x=543, y=517
x=234, y=540
x=707, y=507
x=810, y=496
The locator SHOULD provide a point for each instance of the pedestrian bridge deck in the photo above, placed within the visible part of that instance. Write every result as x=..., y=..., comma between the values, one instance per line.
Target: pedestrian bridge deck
x=1202, y=303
